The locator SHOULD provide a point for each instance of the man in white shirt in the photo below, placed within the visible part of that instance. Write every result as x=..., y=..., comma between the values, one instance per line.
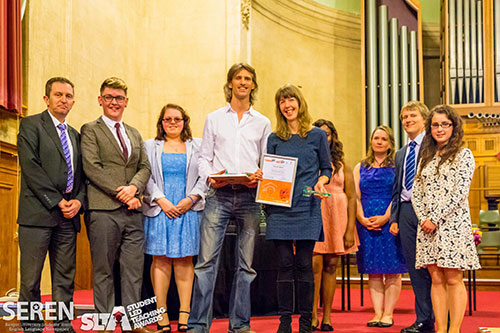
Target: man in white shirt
x=234, y=139
x=403, y=219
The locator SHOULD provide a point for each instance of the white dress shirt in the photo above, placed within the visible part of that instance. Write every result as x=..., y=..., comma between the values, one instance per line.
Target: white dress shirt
x=406, y=194
x=231, y=145
x=68, y=139
x=111, y=124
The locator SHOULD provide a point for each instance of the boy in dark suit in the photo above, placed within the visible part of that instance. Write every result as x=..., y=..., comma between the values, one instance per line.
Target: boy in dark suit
x=403, y=219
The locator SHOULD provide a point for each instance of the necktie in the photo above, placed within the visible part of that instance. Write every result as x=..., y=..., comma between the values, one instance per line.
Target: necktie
x=67, y=156
x=122, y=142
x=410, y=166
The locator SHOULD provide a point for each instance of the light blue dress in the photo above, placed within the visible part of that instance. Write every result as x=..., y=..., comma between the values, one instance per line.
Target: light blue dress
x=179, y=237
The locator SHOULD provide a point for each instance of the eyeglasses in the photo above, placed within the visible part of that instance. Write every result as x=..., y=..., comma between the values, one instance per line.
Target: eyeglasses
x=175, y=120
x=109, y=98
x=442, y=125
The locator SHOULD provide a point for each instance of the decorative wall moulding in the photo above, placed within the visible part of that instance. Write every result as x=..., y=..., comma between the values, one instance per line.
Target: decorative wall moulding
x=314, y=20
x=246, y=7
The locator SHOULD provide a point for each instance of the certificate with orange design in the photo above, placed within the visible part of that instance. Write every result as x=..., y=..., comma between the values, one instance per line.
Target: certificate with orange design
x=278, y=179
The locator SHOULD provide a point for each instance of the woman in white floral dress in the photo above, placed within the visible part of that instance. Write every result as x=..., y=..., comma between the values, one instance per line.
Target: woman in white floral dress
x=445, y=243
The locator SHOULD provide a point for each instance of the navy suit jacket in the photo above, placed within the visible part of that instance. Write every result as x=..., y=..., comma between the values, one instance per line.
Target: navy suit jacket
x=398, y=183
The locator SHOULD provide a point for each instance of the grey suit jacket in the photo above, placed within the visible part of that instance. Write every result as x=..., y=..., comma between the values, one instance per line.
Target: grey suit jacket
x=105, y=166
x=44, y=172
x=154, y=189
x=398, y=183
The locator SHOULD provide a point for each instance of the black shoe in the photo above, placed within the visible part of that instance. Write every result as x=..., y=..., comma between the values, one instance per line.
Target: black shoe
x=381, y=324
x=419, y=328
x=326, y=328
x=373, y=323
x=181, y=327
x=285, y=324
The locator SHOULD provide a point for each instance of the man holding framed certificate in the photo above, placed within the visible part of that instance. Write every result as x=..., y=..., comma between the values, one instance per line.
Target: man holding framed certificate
x=234, y=138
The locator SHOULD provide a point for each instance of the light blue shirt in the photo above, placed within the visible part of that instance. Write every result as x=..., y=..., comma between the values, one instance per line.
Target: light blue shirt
x=406, y=194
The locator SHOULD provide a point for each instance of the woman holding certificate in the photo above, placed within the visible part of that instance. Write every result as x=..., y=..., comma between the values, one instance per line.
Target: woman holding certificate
x=379, y=253
x=301, y=223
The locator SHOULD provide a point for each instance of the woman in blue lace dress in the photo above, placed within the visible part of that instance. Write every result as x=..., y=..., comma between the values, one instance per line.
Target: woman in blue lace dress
x=173, y=200
x=379, y=253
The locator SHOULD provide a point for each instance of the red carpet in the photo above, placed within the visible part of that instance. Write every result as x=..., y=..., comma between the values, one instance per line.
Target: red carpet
x=487, y=314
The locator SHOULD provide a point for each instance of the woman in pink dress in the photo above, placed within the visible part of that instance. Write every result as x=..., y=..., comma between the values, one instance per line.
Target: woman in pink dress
x=339, y=214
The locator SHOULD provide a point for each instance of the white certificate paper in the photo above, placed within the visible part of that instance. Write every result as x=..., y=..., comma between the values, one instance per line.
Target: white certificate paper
x=276, y=187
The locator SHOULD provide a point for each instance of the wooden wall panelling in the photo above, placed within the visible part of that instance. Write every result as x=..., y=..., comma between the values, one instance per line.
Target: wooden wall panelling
x=8, y=213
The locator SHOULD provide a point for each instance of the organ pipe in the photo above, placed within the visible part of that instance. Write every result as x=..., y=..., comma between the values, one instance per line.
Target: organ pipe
x=394, y=46
x=460, y=51
x=473, y=50
x=371, y=63
x=467, y=50
x=383, y=66
x=480, y=73
x=497, y=47
x=403, y=52
x=413, y=66
x=453, y=57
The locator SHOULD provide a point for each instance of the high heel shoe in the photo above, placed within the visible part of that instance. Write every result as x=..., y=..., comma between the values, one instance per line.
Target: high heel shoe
x=182, y=327
x=164, y=328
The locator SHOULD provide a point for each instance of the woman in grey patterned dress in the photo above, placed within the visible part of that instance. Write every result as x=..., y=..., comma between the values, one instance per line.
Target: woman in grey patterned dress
x=445, y=244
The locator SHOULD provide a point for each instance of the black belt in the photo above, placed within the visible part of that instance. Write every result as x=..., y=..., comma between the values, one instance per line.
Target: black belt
x=234, y=187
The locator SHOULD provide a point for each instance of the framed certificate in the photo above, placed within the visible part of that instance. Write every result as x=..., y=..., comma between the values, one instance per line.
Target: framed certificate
x=276, y=187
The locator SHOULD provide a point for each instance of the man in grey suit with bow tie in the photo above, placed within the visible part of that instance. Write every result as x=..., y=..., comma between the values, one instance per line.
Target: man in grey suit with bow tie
x=52, y=196
x=118, y=170
x=403, y=219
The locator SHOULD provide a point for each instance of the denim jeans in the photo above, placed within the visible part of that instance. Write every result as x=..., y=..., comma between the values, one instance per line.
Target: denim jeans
x=222, y=204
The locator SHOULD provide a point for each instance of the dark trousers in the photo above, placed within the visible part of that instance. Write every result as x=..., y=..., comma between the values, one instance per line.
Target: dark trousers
x=116, y=235
x=296, y=267
x=60, y=243
x=420, y=278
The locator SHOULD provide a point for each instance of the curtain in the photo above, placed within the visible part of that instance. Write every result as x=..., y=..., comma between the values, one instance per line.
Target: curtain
x=10, y=55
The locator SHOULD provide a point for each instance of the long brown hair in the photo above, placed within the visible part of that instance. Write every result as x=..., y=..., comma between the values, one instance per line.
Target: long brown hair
x=186, y=130
x=370, y=155
x=235, y=69
x=429, y=145
x=303, y=117
x=336, y=147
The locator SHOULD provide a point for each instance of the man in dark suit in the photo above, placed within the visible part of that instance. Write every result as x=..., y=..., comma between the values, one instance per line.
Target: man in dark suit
x=403, y=219
x=118, y=170
x=52, y=195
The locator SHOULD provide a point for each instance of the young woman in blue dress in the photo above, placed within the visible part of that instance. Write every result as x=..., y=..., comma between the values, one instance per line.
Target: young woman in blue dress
x=173, y=200
x=379, y=254
x=301, y=224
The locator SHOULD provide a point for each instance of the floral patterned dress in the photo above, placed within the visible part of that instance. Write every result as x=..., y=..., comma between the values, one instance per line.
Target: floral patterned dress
x=442, y=198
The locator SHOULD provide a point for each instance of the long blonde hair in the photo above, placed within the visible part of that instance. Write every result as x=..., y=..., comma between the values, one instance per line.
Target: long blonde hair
x=370, y=155
x=304, y=118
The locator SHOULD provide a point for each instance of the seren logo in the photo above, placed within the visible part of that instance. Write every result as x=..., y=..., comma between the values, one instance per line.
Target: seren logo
x=38, y=311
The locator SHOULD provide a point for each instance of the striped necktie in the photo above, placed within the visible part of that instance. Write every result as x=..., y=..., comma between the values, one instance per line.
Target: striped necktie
x=410, y=166
x=67, y=157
